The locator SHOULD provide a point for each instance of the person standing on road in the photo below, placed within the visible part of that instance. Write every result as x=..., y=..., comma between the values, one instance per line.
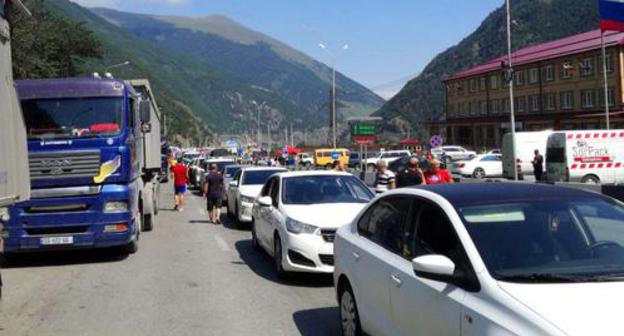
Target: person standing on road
x=385, y=179
x=437, y=175
x=180, y=180
x=213, y=192
x=410, y=176
x=338, y=166
x=538, y=166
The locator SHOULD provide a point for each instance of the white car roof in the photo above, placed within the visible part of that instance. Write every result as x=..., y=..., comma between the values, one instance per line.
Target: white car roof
x=313, y=173
x=245, y=169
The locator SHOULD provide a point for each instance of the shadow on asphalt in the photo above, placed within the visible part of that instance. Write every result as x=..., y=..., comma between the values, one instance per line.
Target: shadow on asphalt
x=62, y=258
x=262, y=264
x=232, y=224
x=320, y=321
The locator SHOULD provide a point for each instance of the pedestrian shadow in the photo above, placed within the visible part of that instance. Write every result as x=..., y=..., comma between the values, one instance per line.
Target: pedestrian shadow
x=195, y=221
x=62, y=258
x=319, y=321
x=262, y=264
x=232, y=224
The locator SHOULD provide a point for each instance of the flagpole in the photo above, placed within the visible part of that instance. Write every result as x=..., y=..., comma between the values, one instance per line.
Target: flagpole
x=604, y=73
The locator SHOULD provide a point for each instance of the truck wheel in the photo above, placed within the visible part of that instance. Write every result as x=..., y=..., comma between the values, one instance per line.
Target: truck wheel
x=148, y=222
x=590, y=179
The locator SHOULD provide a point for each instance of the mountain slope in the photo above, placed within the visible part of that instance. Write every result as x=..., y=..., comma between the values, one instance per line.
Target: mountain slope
x=250, y=57
x=535, y=21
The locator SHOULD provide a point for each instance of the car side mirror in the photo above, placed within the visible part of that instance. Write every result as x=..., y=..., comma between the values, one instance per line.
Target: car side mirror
x=145, y=109
x=265, y=201
x=234, y=184
x=435, y=267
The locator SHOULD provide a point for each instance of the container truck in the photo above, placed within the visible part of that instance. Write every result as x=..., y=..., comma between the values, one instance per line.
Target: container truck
x=92, y=172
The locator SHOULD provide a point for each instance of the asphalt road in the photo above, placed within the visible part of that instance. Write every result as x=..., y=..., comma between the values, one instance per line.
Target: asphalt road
x=189, y=277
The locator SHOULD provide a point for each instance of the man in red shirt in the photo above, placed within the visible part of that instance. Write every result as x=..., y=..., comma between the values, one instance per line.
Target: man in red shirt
x=437, y=175
x=180, y=179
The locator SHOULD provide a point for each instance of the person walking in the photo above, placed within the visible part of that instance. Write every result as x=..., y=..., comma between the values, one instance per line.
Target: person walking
x=437, y=175
x=385, y=179
x=410, y=176
x=180, y=180
x=213, y=192
x=338, y=166
x=538, y=166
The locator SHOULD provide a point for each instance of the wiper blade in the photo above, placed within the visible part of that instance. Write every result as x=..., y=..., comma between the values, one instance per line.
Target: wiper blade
x=542, y=277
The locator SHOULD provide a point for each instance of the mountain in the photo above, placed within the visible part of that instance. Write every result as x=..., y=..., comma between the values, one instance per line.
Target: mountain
x=535, y=21
x=251, y=58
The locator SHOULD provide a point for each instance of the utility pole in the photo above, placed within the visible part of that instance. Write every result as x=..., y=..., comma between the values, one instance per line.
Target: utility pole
x=333, y=113
x=269, y=135
x=292, y=136
x=512, y=118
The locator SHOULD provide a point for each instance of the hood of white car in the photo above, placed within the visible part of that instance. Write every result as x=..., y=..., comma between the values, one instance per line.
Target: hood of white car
x=251, y=190
x=576, y=308
x=326, y=216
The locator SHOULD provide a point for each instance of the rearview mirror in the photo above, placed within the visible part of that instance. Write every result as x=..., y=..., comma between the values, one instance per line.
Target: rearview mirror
x=145, y=109
x=265, y=201
x=434, y=267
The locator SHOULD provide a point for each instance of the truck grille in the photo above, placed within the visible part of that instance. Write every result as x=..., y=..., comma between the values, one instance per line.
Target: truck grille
x=51, y=165
x=328, y=235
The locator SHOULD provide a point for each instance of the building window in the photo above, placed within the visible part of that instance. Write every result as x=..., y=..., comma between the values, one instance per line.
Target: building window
x=549, y=73
x=566, y=69
x=473, y=85
x=567, y=100
x=506, y=105
x=482, y=83
x=609, y=63
x=484, y=107
x=519, y=77
x=533, y=75
x=611, y=93
x=520, y=103
x=587, y=67
x=534, y=103
x=550, y=102
x=495, y=107
x=494, y=82
x=587, y=98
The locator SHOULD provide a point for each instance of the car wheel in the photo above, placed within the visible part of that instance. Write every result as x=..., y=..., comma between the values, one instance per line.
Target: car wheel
x=590, y=179
x=254, y=237
x=479, y=173
x=349, y=316
x=278, y=257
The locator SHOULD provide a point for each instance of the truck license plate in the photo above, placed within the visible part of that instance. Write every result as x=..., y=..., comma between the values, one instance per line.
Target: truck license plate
x=57, y=240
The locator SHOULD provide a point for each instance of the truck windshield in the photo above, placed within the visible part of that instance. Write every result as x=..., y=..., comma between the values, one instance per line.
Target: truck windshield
x=64, y=118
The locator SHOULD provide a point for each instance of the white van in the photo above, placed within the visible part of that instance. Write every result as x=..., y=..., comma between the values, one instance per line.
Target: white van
x=526, y=144
x=593, y=156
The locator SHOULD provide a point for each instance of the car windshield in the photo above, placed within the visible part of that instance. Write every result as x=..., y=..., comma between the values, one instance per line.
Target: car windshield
x=549, y=240
x=230, y=171
x=72, y=118
x=258, y=176
x=305, y=190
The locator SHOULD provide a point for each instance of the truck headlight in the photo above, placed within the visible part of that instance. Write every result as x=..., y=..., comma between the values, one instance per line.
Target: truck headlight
x=115, y=207
x=296, y=227
x=247, y=199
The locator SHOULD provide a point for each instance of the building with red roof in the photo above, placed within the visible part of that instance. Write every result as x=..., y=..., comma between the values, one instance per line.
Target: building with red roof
x=558, y=85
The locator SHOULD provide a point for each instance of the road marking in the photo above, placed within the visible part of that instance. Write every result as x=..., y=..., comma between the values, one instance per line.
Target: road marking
x=222, y=244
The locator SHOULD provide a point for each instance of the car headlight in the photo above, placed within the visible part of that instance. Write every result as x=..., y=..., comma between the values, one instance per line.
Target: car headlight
x=247, y=199
x=296, y=227
x=116, y=207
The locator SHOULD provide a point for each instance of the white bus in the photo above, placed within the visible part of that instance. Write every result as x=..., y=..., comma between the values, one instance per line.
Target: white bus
x=592, y=156
x=526, y=144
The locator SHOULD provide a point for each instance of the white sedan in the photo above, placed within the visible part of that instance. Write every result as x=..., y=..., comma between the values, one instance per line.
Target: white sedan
x=296, y=216
x=520, y=259
x=244, y=188
x=482, y=166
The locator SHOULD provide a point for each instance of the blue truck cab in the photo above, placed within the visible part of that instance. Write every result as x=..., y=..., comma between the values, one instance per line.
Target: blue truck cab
x=85, y=152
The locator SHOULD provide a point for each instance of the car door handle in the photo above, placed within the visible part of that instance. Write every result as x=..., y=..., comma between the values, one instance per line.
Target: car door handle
x=397, y=279
x=356, y=256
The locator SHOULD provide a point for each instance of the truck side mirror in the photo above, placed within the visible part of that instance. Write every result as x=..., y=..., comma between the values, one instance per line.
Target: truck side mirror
x=145, y=109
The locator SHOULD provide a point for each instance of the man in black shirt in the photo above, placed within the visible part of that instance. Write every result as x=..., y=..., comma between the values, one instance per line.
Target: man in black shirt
x=538, y=166
x=213, y=192
x=411, y=176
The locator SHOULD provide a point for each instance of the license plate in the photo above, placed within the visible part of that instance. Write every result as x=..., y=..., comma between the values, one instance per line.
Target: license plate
x=57, y=240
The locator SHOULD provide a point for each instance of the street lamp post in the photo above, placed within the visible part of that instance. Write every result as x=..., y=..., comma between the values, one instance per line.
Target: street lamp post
x=512, y=121
x=334, y=59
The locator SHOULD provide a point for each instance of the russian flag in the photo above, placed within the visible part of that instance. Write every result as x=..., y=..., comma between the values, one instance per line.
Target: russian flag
x=612, y=15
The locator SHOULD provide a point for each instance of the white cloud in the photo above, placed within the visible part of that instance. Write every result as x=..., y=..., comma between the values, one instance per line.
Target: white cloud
x=127, y=3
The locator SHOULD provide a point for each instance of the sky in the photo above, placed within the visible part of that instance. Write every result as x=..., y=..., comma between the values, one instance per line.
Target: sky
x=389, y=41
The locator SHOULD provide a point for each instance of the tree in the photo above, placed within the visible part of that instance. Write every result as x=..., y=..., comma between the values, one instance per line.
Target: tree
x=46, y=46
